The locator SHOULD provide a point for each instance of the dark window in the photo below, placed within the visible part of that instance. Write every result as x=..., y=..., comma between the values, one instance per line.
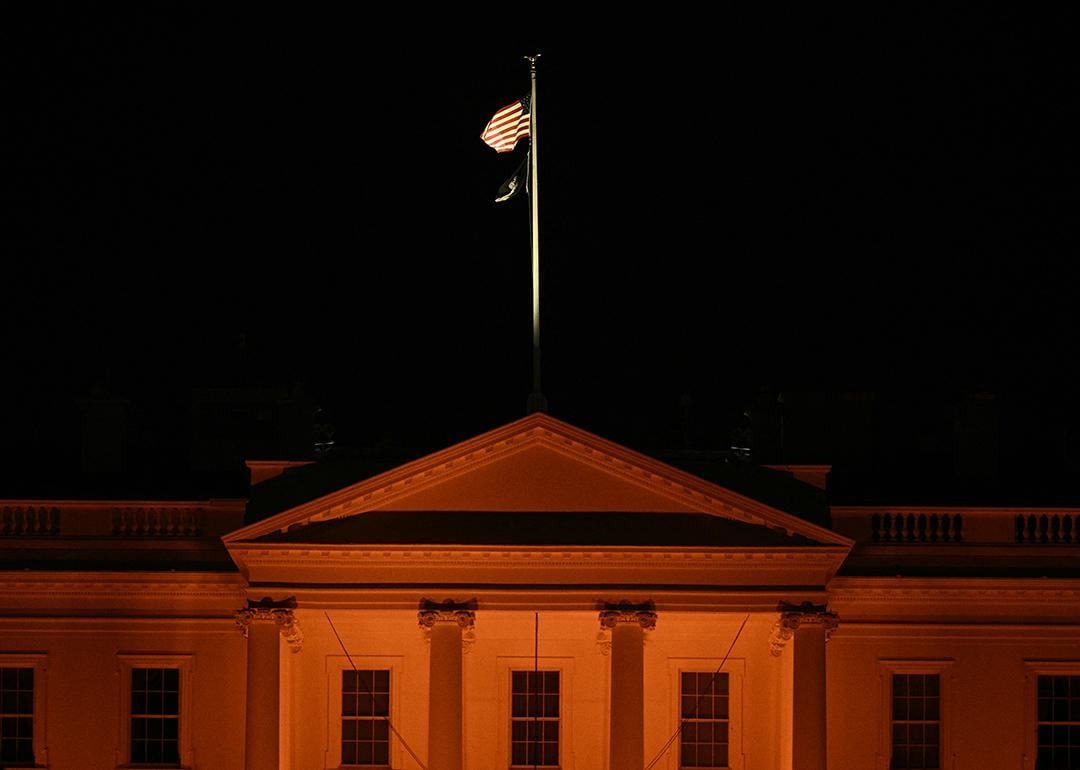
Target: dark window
x=155, y=716
x=534, y=718
x=1058, y=722
x=703, y=714
x=916, y=721
x=365, y=718
x=17, y=715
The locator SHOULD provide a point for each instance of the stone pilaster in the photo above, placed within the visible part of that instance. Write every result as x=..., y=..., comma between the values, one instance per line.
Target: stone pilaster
x=627, y=624
x=445, y=623
x=809, y=625
x=264, y=624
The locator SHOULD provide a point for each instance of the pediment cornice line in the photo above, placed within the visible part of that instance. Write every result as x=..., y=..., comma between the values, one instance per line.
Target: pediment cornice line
x=598, y=453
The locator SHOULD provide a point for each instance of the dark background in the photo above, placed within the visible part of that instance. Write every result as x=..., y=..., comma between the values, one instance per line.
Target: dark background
x=220, y=221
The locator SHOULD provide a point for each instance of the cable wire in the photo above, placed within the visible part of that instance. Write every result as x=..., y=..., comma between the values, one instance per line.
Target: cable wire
x=371, y=692
x=678, y=731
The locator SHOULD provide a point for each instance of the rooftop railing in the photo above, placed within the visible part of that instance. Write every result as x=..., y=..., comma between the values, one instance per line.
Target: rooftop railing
x=945, y=525
x=157, y=519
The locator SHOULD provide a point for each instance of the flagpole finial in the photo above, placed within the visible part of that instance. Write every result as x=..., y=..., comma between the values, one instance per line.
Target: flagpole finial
x=532, y=61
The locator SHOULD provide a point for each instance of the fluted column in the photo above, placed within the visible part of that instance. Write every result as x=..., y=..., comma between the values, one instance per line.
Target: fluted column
x=446, y=623
x=627, y=739
x=263, y=623
x=810, y=625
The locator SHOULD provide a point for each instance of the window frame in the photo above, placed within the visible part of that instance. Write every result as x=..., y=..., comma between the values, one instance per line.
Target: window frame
x=936, y=666
x=1033, y=669
x=505, y=666
x=39, y=662
x=335, y=665
x=735, y=668
x=557, y=719
x=185, y=664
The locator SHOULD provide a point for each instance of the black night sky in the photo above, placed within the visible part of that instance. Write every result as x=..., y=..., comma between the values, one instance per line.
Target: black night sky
x=238, y=198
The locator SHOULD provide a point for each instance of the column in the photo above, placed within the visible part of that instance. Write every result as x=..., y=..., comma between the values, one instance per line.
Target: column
x=263, y=623
x=810, y=625
x=628, y=624
x=445, y=623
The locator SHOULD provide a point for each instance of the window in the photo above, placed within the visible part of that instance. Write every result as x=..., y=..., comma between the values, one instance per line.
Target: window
x=706, y=712
x=365, y=714
x=155, y=696
x=1058, y=721
x=703, y=714
x=534, y=718
x=537, y=712
x=916, y=721
x=155, y=716
x=17, y=715
x=365, y=705
x=914, y=734
x=22, y=710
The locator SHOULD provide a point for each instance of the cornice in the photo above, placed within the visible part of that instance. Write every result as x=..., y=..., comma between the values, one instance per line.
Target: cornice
x=856, y=631
x=286, y=556
x=969, y=509
x=225, y=503
x=170, y=625
x=674, y=554
x=577, y=598
x=921, y=589
x=121, y=585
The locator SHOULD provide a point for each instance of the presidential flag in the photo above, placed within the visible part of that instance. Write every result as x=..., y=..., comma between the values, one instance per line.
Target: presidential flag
x=507, y=126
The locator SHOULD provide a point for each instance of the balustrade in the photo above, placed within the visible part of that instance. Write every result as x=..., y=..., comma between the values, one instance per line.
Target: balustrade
x=29, y=520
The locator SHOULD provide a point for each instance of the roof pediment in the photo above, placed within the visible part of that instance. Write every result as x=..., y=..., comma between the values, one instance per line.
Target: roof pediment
x=537, y=481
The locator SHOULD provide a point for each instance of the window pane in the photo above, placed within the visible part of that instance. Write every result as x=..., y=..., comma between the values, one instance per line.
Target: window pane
x=932, y=708
x=534, y=715
x=382, y=681
x=348, y=753
x=916, y=721
x=704, y=708
x=1058, y=729
x=155, y=704
x=900, y=757
x=365, y=705
x=381, y=753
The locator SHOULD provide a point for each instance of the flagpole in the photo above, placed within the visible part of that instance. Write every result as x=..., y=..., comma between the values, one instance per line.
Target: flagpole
x=537, y=402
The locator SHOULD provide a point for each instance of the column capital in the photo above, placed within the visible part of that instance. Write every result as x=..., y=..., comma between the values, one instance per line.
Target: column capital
x=432, y=613
x=280, y=613
x=794, y=616
x=642, y=614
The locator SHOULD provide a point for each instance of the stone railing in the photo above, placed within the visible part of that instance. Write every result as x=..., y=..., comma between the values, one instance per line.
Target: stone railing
x=1048, y=527
x=93, y=518
x=30, y=520
x=157, y=522
x=948, y=525
x=899, y=527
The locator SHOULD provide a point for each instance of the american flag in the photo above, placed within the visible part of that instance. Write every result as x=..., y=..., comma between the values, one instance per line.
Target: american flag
x=507, y=126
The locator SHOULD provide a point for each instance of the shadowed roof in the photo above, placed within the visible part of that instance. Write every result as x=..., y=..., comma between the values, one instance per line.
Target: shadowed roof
x=543, y=528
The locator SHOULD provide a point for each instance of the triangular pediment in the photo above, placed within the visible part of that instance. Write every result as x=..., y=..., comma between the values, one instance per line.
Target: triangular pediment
x=542, y=476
